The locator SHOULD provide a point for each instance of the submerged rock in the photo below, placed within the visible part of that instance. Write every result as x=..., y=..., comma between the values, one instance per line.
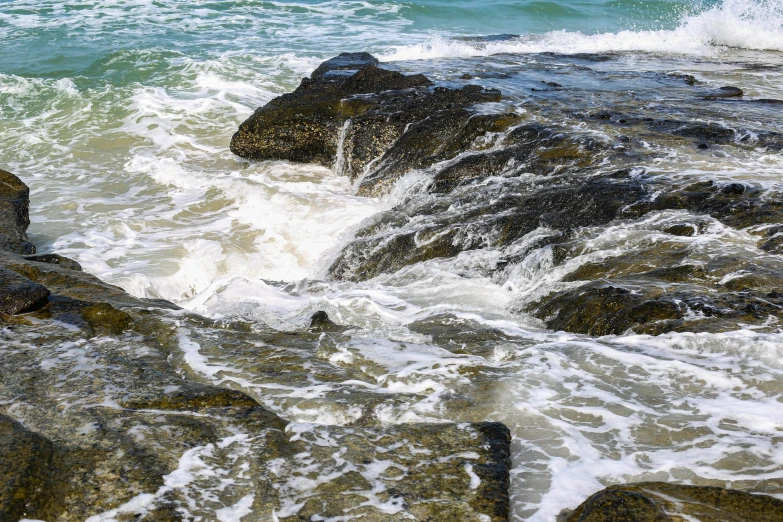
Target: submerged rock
x=435, y=472
x=103, y=413
x=663, y=502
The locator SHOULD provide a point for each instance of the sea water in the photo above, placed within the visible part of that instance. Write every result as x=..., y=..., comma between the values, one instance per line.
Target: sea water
x=118, y=115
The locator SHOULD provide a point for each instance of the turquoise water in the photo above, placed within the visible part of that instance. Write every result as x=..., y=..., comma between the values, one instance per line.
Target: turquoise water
x=119, y=113
x=55, y=38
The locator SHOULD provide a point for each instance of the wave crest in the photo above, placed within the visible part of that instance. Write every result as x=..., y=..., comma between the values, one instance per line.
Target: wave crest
x=746, y=24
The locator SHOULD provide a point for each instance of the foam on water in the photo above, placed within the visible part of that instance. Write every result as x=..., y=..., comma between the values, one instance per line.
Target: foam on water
x=126, y=154
x=745, y=24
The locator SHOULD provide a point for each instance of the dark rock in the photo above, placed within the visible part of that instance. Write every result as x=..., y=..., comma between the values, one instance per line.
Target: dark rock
x=723, y=92
x=56, y=259
x=383, y=111
x=500, y=222
x=382, y=136
x=439, y=137
x=681, y=230
x=19, y=294
x=735, y=205
x=351, y=62
x=617, y=505
x=734, y=189
x=14, y=219
x=30, y=486
x=601, y=309
x=709, y=132
x=320, y=322
x=303, y=125
x=80, y=286
x=372, y=79
x=659, y=502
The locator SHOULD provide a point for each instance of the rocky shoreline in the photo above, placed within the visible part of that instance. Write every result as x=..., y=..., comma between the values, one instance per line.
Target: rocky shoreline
x=98, y=419
x=494, y=179
x=103, y=413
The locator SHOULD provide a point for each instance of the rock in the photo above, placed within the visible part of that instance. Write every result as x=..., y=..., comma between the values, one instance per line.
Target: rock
x=320, y=322
x=735, y=204
x=681, y=229
x=19, y=294
x=105, y=319
x=660, y=502
x=56, y=259
x=601, y=309
x=345, y=63
x=436, y=472
x=503, y=220
x=194, y=397
x=76, y=285
x=376, y=117
x=723, y=92
x=442, y=136
x=303, y=125
x=14, y=219
x=113, y=424
x=30, y=486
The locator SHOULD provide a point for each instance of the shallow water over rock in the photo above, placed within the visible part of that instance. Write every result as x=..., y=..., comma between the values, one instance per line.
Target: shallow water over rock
x=585, y=248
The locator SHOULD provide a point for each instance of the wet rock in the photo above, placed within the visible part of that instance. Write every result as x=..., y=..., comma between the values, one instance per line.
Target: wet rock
x=463, y=475
x=30, y=485
x=14, y=219
x=689, y=79
x=442, y=136
x=80, y=286
x=767, y=101
x=194, y=397
x=659, y=502
x=373, y=116
x=19, y=294
x=602, y=309
x=303, y=125
x=735, y=204
x=345, y=63
x=723, y=92
x=620, y=505
x=56, y=259
x=320, y=322
x=503, y=220
x=681, y=229
x=138, y=415
x=755, y=278
x=105, y=319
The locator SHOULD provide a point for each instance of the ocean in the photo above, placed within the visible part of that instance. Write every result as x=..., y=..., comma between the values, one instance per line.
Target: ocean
x=118, y=114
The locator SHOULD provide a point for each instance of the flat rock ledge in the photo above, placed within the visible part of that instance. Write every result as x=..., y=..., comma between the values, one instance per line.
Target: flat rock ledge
x=100, y=416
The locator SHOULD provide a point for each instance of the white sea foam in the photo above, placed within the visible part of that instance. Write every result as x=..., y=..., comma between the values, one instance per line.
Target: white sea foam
x=136, y=182
x=746, y=24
